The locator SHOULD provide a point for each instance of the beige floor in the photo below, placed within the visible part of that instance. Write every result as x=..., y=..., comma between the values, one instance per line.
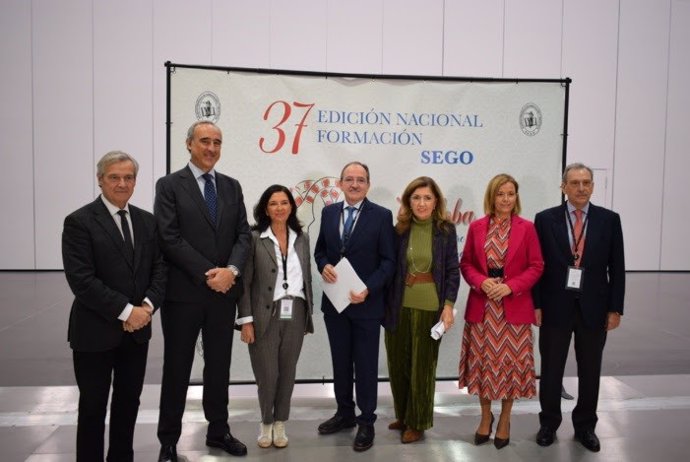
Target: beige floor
x=642, y=418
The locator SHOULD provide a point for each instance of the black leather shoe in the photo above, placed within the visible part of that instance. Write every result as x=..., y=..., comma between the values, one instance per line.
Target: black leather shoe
x=545, y=436
x=480, y=438
x=364, y=439
x=500, y=443
x=168, y=454
x=335, y=424
x=229, y=444
x=588, y=439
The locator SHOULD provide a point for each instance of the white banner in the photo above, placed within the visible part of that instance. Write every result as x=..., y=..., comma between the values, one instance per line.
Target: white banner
x=299, y=130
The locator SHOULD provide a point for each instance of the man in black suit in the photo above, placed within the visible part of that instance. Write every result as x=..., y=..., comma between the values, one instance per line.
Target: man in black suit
x=580, y=292
x=205, y=238
x=362, y=232
x=116, y=271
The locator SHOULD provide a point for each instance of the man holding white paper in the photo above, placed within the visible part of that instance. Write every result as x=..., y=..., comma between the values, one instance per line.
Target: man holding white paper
x=362, y=232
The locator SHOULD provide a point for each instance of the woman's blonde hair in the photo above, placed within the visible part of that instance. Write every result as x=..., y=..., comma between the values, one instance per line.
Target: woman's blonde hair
x=492, y=190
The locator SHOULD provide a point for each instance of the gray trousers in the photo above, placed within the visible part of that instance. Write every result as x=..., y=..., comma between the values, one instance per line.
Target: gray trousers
x=274, y=361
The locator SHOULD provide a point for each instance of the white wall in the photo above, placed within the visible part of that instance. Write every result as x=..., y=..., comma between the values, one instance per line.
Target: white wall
x=81, y=77
x=673, y=251
x=17, y=247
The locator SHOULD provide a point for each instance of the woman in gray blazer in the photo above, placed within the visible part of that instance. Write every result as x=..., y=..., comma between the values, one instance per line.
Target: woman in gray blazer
x=275, y=311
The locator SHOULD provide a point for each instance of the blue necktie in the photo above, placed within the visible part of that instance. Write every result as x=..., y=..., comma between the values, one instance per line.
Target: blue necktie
x=349, y=221
x=210, y=196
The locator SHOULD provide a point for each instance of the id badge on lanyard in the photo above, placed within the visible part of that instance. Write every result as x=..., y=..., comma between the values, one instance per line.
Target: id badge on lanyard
x=286, y=309
x=574, y=280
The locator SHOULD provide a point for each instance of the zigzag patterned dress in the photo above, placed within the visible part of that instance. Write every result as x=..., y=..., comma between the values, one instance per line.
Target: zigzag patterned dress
x=496, y=360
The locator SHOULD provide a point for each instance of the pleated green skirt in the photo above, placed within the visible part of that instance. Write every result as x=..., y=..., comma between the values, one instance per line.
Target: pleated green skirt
x=412, y=358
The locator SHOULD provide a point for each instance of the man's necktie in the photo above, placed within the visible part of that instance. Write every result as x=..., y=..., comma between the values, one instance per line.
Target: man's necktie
x=210, y=196
x=349, y=221
x=578, y=235
x=129, y=246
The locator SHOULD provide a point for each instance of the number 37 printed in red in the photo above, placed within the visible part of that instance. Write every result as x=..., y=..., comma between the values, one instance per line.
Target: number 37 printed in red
x=281, y=111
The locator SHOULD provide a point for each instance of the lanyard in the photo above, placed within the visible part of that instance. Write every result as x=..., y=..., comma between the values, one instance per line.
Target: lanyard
x=576, y=242
x=285, y=258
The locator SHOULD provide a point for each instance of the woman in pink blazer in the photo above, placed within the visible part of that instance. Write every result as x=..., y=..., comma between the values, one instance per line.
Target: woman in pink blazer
x=501, y=262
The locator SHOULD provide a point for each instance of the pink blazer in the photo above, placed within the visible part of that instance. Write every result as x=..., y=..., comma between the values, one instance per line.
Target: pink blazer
x=522, y=269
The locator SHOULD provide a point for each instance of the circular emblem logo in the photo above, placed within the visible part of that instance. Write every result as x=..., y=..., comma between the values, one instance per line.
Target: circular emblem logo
x=530, y=119
x=208, y=107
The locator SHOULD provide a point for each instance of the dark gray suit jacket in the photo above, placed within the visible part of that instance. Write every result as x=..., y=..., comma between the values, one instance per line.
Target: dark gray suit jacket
x=260, y=278
x=191, y=243
x=102, y=278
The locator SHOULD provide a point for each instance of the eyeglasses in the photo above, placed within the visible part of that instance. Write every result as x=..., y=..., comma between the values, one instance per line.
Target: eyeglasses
x=419, y=198
x=583, y=183
x=358, y=180
x=116, y=179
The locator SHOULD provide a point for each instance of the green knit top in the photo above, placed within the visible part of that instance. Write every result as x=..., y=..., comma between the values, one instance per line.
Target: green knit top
x=422, y=295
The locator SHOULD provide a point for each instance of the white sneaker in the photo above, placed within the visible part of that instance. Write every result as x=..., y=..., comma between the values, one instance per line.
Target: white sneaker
x=265, y=438
x=280, y=439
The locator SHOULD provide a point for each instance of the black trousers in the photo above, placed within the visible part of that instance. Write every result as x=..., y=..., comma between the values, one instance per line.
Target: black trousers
x=355, y=356
x=181, y=325
x=124, y=367
x=554, y=343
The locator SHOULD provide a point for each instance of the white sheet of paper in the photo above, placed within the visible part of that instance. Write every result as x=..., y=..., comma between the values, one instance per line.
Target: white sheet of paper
x=339, y=292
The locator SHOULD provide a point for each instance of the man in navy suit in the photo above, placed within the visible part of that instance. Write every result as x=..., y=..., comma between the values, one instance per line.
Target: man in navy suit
x=206, y=240
x=362, y=232
x=580, y=293
x=116, y=271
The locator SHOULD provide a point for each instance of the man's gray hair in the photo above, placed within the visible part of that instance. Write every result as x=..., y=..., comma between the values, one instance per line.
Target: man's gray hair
x=190, y=130
x=576, y=166
x=114, y=157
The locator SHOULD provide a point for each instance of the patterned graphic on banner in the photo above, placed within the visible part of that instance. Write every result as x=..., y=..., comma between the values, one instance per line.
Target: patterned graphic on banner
x=308, y=192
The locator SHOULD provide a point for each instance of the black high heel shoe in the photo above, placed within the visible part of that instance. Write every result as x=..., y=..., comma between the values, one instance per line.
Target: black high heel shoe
x=481, y=439
x=500, y=443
